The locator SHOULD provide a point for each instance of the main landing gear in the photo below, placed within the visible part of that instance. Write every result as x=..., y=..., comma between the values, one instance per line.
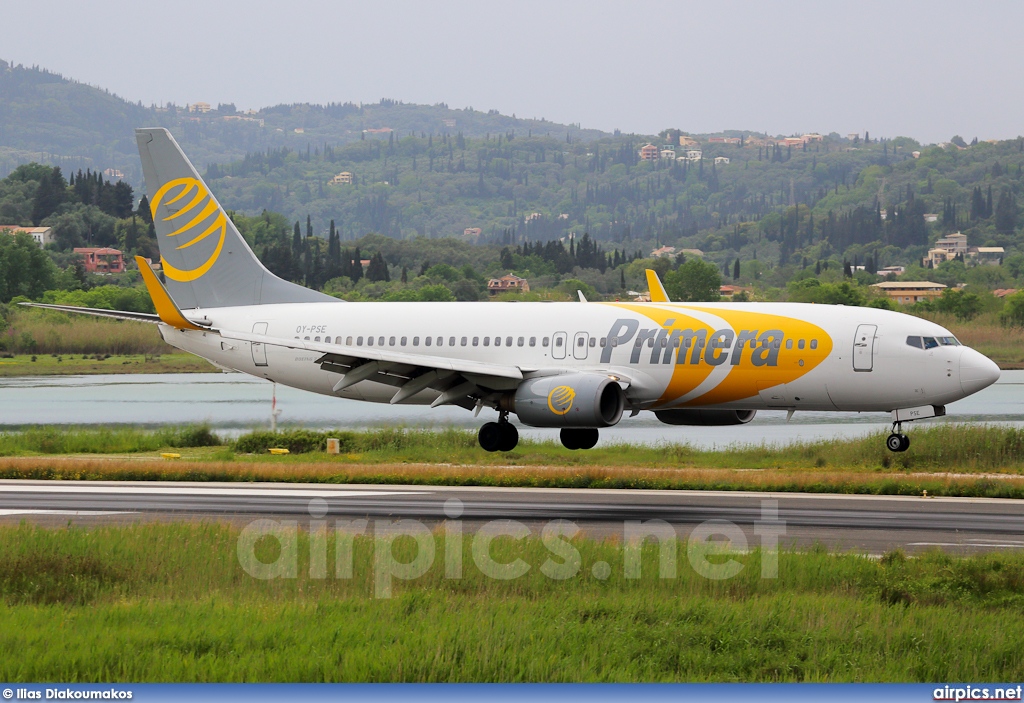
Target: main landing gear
x=500, y=436
x=897, y=441
x=579, y=437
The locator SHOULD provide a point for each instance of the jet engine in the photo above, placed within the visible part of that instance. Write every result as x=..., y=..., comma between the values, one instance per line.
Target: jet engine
x=569, y=400
x=705, y=417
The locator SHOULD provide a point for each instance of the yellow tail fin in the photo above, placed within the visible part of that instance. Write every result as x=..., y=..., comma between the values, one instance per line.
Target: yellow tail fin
x=658, y=294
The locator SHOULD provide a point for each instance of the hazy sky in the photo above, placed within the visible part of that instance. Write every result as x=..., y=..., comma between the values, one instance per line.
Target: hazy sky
x=923, y=69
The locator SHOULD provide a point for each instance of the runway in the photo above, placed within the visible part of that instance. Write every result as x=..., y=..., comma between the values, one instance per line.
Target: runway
x=872, y=524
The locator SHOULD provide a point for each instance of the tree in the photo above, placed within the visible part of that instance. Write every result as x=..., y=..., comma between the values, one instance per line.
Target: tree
x=378, y=269
x=694, y=281
x=1006, y=212
x=51, y=192
x=1013, y=310
x=736, y=269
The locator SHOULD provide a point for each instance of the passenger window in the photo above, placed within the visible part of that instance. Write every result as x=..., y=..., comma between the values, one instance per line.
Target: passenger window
x=487, y=341
x=930, y=343
x=615, y=341
x=349, y=341
x=777, y=344
x=404, y=340
x=581, y=342
x=604, y=341
x=464, y=341
x=650, y=341
x=521, y=341
x=415, y=341
x=428, y=341
x=533, y=341
x=440, y=341
x=369, y=341
x=327, y=340
x=814, y=344
x=789, y=344
x=391, y=342
x=508, y=341
x=915, y=342
x=497, y=341
x=451, y=341
x=476, y=341
x=544, y=342
x=593, y=342
x=800, y=344
x=380, y=341
x=316, y=339
x=664, y=342
x=558, y=342
x=675, y=342
x=306, y=338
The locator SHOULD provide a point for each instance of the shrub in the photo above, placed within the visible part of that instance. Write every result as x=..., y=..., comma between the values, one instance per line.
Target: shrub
x=295, y=441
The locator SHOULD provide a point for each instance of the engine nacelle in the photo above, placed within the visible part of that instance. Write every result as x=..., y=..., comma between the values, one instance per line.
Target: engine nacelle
x=705, y=417
x=569, y=400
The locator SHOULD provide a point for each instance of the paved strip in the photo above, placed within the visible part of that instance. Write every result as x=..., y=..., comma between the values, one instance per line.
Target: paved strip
x=837, y=520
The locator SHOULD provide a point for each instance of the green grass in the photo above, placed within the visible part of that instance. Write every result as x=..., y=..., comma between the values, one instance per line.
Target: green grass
x=106, y=440
x=77, y=364
x=171, y=603
x=944, y=460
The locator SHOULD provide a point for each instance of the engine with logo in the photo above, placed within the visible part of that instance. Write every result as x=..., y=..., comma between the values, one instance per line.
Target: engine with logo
x=569, y=400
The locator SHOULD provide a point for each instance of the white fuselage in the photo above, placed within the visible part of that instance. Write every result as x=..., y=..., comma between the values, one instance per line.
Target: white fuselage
x=669, y=355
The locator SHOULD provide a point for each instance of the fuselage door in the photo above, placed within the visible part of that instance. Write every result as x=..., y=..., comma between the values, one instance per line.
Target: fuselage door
x=864, y=348
x=579, y=345
x=558, y=345
x=259, y=350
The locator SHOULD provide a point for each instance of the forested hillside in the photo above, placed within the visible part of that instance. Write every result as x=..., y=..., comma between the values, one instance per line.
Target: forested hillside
x=47, y=118
x=860, y=199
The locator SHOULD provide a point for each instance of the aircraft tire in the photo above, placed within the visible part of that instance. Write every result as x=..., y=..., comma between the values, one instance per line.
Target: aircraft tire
x=509, y=436
x=894, y=442
x=579, y=438
x=490, y=437
x=588, y=438
x=905, y=443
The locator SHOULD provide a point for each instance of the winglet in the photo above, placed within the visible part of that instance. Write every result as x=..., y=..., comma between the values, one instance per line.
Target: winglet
x=658, y=294
x=583, y=298
x=165, y=307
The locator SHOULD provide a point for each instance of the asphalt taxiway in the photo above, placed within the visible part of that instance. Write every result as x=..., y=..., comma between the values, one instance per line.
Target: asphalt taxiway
x=872, y=524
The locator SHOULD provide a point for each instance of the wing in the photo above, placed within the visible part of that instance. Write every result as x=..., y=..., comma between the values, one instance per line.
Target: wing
x=116, y=314
x=457, y=381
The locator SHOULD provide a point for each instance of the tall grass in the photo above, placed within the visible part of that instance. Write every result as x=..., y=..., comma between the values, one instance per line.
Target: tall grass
x=950, y=460
x=171, y=603
x=1004, y=345
x=105, y=440
x=31, y=331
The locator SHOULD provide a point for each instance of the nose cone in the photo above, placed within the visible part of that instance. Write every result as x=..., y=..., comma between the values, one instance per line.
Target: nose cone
x=977, y=371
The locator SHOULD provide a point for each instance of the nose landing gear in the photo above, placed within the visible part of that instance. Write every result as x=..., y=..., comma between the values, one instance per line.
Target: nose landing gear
x=897, y=441
x=500, y=436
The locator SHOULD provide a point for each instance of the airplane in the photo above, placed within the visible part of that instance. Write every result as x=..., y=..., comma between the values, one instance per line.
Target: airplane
x=576, y=366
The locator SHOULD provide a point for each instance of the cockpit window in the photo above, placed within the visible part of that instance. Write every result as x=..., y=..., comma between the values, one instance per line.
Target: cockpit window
x=948, y=341
x=915, y=342
x=930, y=343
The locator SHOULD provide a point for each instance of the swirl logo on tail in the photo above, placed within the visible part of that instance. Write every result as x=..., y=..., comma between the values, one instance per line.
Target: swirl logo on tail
x=196, y=213
x=560, y=399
